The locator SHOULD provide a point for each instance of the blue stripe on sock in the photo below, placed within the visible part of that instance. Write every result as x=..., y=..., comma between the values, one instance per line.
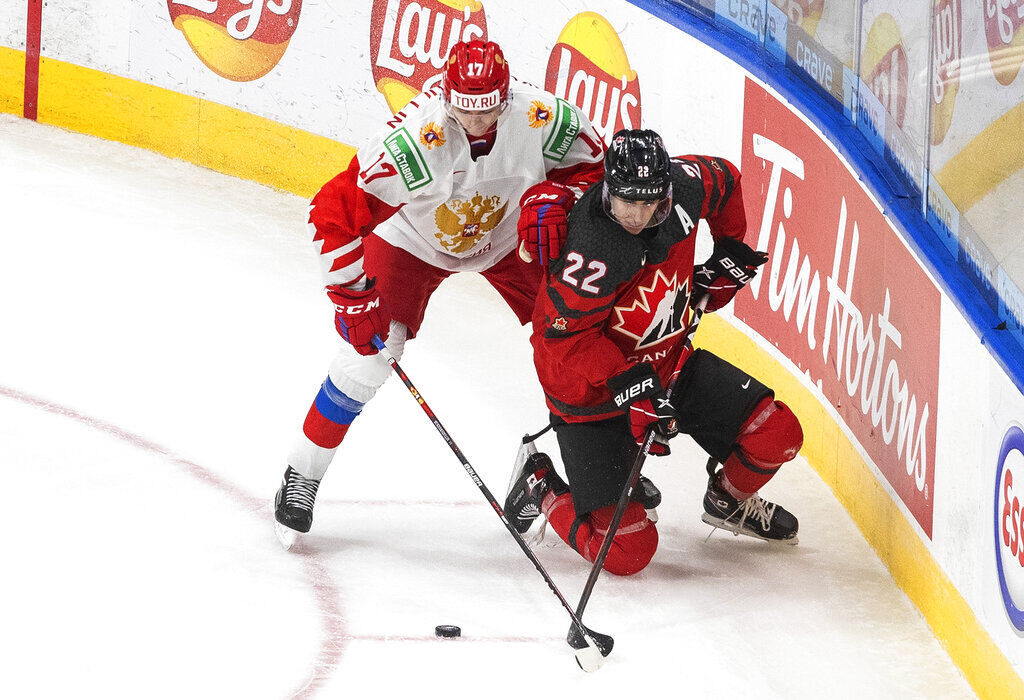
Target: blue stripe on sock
x=335, y=405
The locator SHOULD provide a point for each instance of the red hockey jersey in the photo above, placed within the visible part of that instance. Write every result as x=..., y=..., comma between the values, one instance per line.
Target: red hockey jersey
x=613, y=299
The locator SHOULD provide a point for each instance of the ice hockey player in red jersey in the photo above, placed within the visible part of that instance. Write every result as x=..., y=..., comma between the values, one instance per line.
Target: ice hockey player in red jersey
x=606, y=334
x=440, y=190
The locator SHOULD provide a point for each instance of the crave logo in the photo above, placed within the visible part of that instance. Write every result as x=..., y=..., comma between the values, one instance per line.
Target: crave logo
x=946, y=58
x=842, y=297
x=410, y=41
x=1009, y=528
x=885, y=66
x=589, y=68
x=239, y=40
x=1004, y=32
x=658, y=312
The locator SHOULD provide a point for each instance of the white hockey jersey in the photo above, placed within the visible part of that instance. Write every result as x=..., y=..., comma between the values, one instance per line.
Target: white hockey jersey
x=417, y=186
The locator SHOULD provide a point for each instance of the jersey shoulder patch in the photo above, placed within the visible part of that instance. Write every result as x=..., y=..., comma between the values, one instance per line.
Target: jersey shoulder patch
x=562, y=126
x=408, y=159
x=409, y=148
x=687, y=184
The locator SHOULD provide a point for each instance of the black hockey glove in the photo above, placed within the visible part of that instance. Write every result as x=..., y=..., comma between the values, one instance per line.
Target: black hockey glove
x=639, y=389
x=731, y=266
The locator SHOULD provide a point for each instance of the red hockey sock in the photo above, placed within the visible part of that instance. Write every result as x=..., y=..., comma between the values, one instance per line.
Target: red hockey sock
x=770, y=437
x=635, y=541
x=322, y=431
x=330, y=416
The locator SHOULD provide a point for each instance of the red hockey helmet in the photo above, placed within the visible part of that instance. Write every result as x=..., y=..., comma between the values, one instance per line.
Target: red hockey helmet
x=475, y=77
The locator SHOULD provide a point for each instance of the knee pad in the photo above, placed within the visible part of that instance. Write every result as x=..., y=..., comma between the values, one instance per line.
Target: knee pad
x=635, y=543
x=769, y=438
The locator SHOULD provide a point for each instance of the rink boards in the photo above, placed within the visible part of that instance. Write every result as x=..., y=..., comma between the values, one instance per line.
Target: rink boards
x=907, y=416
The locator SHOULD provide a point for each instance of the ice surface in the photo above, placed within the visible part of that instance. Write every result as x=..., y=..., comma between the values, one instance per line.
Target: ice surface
x=163, y=332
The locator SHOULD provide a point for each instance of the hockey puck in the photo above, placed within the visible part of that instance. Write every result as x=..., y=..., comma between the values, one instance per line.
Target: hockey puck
x=447, y=631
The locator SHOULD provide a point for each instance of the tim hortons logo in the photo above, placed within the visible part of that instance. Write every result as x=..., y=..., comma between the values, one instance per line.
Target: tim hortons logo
x=886, y=67
x=1003, y=22
x=409, y=42
x=804, y=13
x=463, y=223
x=946, y=64
x=239, y=40
x=589, y=68
x=657, y=312
x=825, y=298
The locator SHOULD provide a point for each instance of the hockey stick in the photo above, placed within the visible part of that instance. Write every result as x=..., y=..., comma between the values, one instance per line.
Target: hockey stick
x=593, y=646
x=620, y=508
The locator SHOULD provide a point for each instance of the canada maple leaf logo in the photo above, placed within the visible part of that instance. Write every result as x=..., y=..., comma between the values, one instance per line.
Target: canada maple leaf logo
x=657, y=312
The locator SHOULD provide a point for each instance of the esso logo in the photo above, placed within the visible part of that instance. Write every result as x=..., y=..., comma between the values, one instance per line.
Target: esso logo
x=1009, y=524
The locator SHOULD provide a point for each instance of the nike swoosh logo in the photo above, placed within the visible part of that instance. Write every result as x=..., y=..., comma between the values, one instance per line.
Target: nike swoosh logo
x=458, y=172
x=745, y=385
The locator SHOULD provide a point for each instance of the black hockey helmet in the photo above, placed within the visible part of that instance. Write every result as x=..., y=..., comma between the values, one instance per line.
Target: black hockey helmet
x=636, y=168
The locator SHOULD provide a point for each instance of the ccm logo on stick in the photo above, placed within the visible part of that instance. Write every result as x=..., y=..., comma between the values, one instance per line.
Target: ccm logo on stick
x=634, y=391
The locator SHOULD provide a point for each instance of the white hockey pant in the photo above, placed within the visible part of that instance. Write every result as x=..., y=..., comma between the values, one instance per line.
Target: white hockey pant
x=352, y=381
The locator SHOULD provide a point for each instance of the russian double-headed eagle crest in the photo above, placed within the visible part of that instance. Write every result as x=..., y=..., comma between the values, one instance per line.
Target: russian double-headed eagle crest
x=539, y=114
x=463, y=222
x=432, y=135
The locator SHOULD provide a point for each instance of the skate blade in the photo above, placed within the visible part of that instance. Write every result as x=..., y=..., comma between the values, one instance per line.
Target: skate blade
x=285, y=535
x=729, y=527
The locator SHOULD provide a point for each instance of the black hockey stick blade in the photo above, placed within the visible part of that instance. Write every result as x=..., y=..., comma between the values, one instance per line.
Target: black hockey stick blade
x=589, y=656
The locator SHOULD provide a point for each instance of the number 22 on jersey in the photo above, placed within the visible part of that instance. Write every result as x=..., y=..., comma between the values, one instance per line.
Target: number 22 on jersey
x=575, y=263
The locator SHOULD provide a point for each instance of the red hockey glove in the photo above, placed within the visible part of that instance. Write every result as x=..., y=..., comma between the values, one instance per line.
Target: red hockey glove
x=543, y=222
x=731, y=266
x=640, y=389
x=359, y=315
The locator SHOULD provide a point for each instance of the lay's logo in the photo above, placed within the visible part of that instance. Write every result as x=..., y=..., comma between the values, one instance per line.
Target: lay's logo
x=946, y=58
x=1004, y=32
x=886, y=67
x=240, y=40
x=804, y=13
x=410, y=40
x=589, y=68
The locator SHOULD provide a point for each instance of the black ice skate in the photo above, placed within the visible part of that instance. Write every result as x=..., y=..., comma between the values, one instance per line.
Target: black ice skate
x=293, y=506
x=530, y=484
x=754, y=516
x=648, y=495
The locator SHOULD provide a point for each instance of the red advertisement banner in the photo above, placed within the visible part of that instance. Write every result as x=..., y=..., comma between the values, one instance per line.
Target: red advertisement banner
x=842, y=297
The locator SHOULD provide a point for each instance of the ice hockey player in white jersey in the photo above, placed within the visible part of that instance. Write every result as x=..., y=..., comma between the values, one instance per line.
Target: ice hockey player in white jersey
x=459, y=178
